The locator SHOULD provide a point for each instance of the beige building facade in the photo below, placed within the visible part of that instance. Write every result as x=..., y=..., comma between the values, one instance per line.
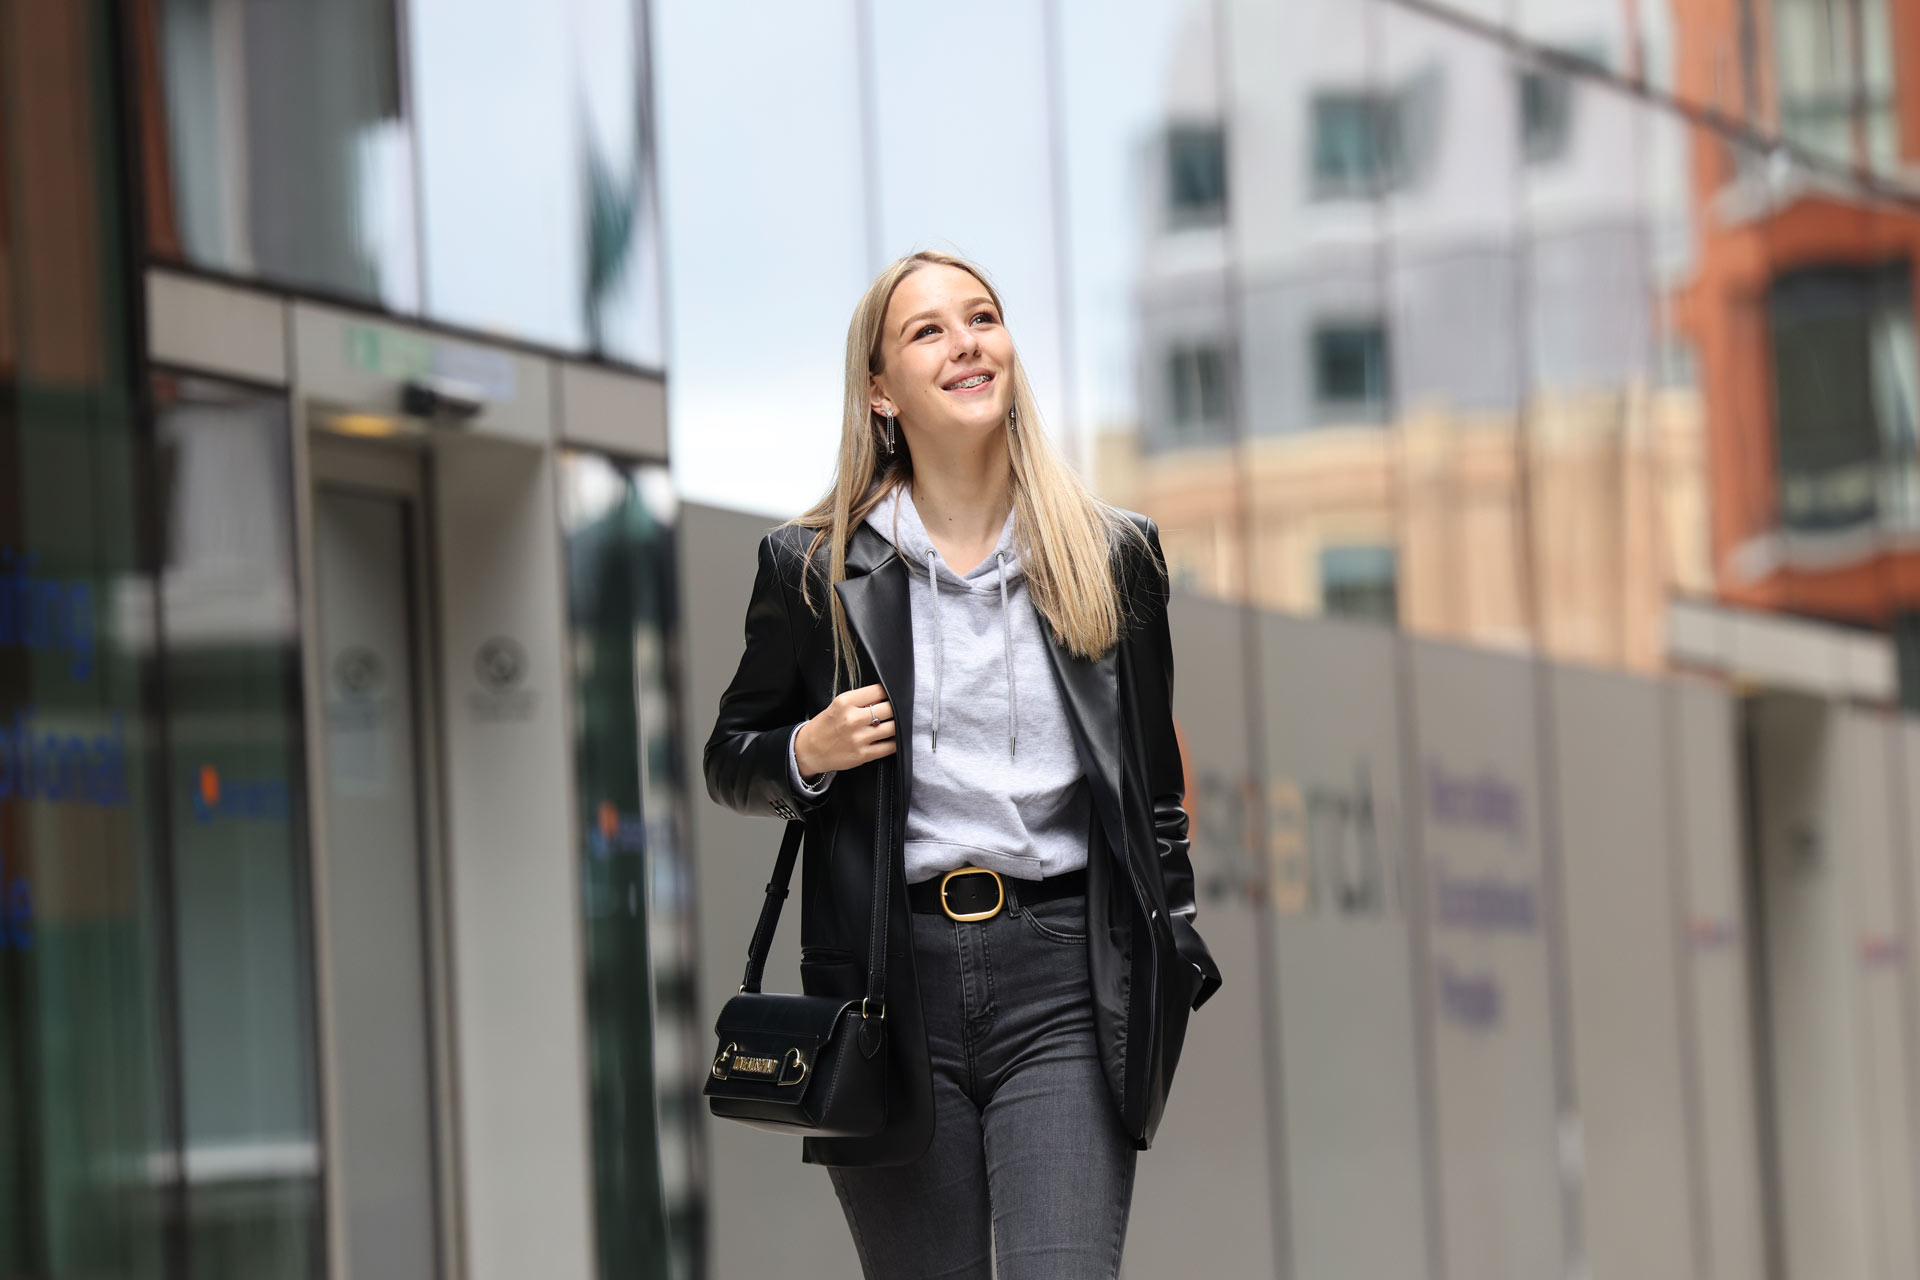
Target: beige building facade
x=1615, y=485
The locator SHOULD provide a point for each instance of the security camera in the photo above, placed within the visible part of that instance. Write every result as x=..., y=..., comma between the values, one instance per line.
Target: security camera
x=443, y=399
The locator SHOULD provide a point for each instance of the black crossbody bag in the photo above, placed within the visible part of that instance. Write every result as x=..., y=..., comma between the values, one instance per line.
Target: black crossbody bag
x=812, y=1065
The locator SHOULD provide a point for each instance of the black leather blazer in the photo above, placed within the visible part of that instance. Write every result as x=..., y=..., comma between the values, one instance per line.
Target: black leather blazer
x=1147, y=963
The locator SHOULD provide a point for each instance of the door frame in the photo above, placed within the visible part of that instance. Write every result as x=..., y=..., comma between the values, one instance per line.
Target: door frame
x=398, y=470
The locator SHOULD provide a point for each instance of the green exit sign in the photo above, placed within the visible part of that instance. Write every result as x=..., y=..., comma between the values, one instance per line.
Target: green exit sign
x=387, y=353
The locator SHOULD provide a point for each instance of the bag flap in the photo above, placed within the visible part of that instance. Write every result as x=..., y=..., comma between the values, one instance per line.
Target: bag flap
x=801, y=1020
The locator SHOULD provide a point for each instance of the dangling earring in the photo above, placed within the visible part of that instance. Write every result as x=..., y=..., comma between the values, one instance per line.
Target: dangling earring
x=889, y=418
x=1013, y=417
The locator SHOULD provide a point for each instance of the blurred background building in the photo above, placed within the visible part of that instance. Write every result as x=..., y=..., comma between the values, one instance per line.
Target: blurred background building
x=392, y=391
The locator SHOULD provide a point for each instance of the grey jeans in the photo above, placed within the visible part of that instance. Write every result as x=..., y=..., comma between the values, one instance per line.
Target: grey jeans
x=1028, y=1155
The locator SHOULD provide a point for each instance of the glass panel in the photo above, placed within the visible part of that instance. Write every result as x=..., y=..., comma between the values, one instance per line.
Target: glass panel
x=284, y=151
x=1598, y=33
x=733, y=189
x=1486, y=13
x=647, y=1063
x=1836, y=88
x=1350, y=372
x=1358, y=582
x=1196, y=174
x=1830, y=328
x=1153, y=341
x=286, y=140
x=1894, y=366
x=1360, y=140
x=377, y=948
x=1590, y=348
x=1454, y=290
x=1680, y=453
x=253, y=1157
x=87, y=1175
x=540, y=212
x=920, y=71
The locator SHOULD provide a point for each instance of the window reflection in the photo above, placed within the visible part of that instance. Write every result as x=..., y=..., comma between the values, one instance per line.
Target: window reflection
x=492, y=167
x=1843, y=365
x=537, y=171
x=1350, y=369
x=636, y=877
x=1545, y=118
x=1359, y=142
x=246, y=86
x=252, y=1157
x=1359, y=582
x=1834, y=59
x=87, y=1169
x=1196, y=174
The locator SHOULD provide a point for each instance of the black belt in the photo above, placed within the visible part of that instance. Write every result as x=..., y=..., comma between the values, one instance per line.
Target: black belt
x=974, y=893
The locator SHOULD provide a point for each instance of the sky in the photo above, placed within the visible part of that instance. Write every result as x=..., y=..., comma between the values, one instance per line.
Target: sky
x=764, y=208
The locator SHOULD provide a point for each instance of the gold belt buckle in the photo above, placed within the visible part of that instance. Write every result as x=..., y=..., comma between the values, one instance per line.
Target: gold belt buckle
x=998, y=886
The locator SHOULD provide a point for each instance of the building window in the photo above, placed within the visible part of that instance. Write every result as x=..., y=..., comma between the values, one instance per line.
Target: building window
x=1197, y=392
x=1844, y=369
x=1350, y=369
x=1906, y=656
x=1546, y=114
x=1196, y=175
x=1838, y=78
x=1359, y=582
x=1356, y=144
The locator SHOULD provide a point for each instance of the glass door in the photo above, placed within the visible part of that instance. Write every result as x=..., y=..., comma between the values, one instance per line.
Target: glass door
x=376, y=868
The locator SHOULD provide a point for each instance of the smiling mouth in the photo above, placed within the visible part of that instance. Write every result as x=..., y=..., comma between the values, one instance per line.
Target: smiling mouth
x=968, y=384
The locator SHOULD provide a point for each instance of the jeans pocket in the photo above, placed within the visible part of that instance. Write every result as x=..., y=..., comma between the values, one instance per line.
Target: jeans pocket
x=1064, y=921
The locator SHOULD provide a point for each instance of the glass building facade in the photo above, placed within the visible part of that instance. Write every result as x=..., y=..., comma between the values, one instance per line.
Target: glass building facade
x=1569, y=915
x=1526, y=391
x=344, y=894
x=1535, y=305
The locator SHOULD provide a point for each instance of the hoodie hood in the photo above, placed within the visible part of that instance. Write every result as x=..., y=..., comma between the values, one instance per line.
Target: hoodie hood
x=897, y=520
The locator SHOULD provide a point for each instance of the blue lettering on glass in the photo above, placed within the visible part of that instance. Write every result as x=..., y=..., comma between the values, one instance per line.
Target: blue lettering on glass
x=73, y=769
x=1482, y=904
x=46, y=615
x=1487, y=802
x=615, y=831
x=1471, y=1000
x=215, y=796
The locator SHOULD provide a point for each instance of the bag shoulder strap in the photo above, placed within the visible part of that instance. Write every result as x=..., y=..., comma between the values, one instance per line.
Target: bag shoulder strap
x=770, y=909
x=762, y=940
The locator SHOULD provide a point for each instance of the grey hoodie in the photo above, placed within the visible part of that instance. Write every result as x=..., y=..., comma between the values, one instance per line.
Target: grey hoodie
x=997, y=781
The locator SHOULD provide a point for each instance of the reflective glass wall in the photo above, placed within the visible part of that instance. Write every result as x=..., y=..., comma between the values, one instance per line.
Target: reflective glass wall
x=645, y=1063
x=1513, y=324
x=1510, y=321
x=251, y=1150
x=89, y=1102
x=484, y=166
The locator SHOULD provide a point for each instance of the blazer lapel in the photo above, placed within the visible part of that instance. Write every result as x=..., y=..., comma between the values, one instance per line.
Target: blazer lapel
x=1091, y=691
x=879, y=613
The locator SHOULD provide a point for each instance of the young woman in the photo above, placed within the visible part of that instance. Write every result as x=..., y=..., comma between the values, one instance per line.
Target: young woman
x=957, y=663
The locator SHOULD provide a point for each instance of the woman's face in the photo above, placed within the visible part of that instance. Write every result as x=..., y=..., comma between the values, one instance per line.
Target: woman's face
x=946, y=360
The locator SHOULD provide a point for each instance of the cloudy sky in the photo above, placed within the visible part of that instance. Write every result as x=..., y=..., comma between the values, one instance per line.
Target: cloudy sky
x=766, y=235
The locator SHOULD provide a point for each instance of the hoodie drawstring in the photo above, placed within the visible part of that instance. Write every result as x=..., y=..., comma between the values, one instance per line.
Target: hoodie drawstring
x=1006, y=625
x=940, y=654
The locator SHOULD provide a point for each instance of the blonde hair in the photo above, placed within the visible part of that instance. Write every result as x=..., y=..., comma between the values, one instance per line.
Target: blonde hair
x=1067, y=538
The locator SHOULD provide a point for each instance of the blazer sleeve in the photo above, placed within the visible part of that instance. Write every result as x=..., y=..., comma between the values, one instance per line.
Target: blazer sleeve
x=1154, y=668
x=746, y=761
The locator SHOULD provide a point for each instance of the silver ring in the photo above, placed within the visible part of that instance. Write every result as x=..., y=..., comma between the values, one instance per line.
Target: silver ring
x=873, y=716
